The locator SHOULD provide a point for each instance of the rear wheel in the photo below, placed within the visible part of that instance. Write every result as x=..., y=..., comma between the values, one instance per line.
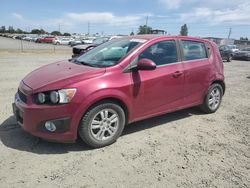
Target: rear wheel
x=102, y=125
x=213, y=99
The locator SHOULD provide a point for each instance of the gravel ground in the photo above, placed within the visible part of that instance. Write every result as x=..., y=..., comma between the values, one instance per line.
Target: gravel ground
x=181, y=149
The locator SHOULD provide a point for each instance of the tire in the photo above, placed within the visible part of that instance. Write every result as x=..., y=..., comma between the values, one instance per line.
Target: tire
x=212, y=99
x=229, y=58
x=102, y=124
x=57, y=43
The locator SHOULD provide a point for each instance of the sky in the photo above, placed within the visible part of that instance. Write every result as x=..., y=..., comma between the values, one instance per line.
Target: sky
x=210, y=18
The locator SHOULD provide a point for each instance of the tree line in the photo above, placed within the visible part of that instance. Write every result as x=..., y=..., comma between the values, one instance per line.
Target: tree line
x=143, y=29
x=12, y=30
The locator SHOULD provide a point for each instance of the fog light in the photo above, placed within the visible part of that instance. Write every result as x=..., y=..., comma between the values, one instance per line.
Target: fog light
x=50, y=126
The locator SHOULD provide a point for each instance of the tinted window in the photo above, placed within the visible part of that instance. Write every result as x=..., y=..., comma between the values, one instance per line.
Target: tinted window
x=161, y=53
x=193, y=50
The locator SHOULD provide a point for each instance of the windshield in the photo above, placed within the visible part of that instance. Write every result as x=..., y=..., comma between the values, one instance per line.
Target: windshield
x=109, y=53
x=99, y=41
x=232, y=47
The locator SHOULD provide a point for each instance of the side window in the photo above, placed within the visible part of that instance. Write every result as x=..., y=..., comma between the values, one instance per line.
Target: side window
x=221, y=47
x=193, y=50
x=161, y=53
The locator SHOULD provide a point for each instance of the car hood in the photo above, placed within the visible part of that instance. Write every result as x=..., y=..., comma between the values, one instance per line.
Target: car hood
x=60, y=74
x=83, y=46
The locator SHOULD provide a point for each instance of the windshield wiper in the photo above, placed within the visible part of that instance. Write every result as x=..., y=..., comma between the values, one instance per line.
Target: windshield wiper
x=84, y=63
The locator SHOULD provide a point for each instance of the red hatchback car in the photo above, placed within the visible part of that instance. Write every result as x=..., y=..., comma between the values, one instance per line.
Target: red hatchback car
x=119, y=82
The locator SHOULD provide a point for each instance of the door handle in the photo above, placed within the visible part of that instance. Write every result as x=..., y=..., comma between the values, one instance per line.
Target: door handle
x=177, y=74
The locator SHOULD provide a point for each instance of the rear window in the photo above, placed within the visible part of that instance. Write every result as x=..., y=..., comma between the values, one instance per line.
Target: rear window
x=193, y=50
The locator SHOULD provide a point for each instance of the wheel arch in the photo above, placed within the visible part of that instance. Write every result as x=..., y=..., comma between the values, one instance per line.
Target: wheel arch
x=115, y=100
x=222, y=83
x=96, y=99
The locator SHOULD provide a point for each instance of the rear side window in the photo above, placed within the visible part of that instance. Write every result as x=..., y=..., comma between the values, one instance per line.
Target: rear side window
x=161, y=53
x=193, y=50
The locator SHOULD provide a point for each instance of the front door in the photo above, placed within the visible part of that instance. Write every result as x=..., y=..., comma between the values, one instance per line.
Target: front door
x=161, y=90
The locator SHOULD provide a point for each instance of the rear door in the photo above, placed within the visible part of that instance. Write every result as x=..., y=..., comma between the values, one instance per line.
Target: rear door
x=197, y=64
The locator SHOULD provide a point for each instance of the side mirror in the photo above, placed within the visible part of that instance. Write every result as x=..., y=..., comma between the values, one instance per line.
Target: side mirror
x=146, y=64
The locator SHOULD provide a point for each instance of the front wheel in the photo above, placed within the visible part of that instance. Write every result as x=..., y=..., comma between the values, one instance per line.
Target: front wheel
x=213, y=99
x=229, y=58
x=102, y=125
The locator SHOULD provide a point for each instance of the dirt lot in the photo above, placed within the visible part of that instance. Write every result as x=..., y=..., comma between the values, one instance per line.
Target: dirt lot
x=181, y=149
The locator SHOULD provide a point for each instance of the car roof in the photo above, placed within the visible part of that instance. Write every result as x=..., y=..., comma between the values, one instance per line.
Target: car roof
x=153, y=37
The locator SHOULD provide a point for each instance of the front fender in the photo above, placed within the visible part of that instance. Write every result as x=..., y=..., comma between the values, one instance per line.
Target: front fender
x=92, y=99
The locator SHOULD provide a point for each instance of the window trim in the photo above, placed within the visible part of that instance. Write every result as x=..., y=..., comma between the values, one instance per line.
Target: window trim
x=134, y=60
x=177, y=52
x=192, y=60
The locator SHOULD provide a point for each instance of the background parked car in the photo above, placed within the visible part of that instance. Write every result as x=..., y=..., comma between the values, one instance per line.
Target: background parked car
x=81, y=49
x=20, y=37
x=27, y=38
x=46, y=40
x=243, y=54
x=64, y=41
x=75, y=42
x=226, y=53
x=233, y=48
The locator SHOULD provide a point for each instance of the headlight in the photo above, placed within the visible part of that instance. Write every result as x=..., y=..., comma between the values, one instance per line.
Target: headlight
x=41, y=98
x=62, y=96
x=54, y=97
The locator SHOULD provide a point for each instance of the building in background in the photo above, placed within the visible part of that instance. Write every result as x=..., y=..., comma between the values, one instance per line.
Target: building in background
x=224, y=41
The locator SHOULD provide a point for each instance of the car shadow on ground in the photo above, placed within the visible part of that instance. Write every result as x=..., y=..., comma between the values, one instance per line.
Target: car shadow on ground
x=13, y=136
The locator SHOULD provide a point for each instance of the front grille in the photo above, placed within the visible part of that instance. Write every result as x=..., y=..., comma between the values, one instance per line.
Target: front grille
x=22, y=96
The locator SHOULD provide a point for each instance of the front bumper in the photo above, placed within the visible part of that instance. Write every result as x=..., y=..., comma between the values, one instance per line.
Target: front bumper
x=32, y=117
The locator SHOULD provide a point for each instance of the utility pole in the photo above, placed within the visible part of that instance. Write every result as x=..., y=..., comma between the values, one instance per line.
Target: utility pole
x=147, y=24
x=229, y=34
x=88, y=28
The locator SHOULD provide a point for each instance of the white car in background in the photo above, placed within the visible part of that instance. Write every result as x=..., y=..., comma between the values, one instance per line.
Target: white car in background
x=27, y=38
x=87, y=41
x=64, y=41
x=233, y=48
